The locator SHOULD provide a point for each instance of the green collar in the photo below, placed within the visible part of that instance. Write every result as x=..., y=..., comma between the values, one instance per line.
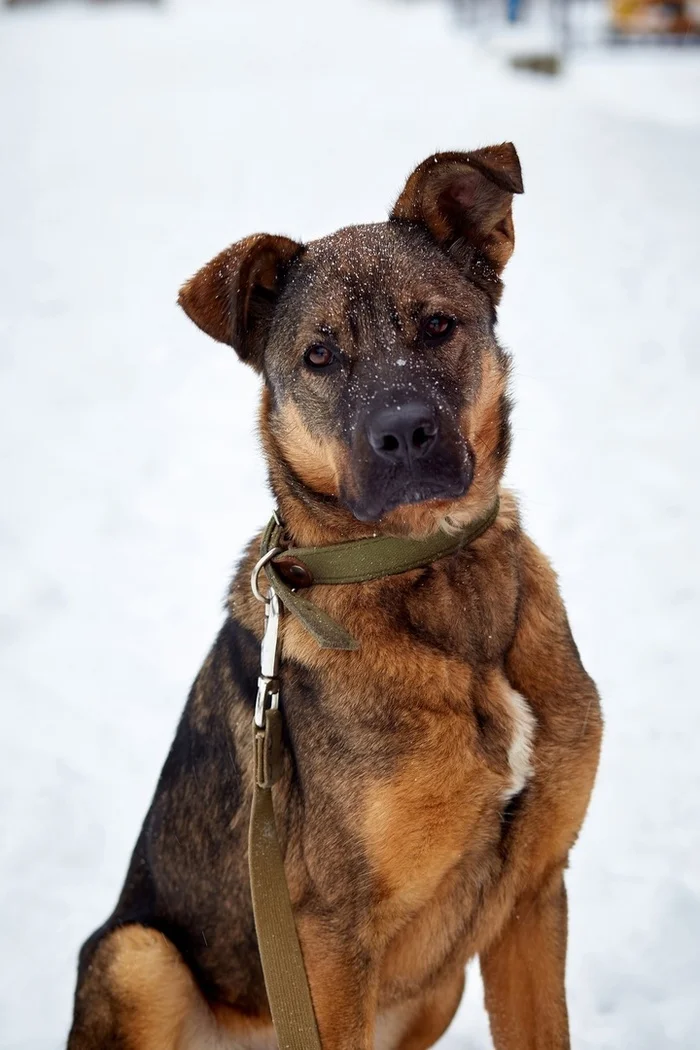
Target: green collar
x=292, y=569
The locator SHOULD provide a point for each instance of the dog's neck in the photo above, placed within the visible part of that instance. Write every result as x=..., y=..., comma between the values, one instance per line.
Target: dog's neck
x=315, y=519
x=312, y=518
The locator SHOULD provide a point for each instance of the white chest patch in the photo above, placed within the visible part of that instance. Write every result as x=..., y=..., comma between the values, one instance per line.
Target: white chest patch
x=521, y=740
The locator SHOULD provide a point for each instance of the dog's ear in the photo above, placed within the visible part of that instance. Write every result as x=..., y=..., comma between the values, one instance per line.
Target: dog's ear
x=233, y=297
x=466, y=197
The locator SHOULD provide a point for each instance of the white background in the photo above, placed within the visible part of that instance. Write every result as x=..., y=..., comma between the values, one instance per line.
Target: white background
x=138, y=140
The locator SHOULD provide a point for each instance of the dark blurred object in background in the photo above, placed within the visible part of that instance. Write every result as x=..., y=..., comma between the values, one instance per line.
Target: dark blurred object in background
x=537, y=35
x=656, y=18
x=576, y=22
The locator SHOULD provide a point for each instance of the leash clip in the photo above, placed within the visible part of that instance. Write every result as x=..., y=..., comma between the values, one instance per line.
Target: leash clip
x=268, y=697
x=259, y=566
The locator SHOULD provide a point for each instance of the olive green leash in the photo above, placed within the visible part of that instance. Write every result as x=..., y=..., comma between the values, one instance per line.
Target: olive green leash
x=289, y=570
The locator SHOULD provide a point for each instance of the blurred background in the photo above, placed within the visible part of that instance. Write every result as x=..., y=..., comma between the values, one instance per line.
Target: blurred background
x=137, y=140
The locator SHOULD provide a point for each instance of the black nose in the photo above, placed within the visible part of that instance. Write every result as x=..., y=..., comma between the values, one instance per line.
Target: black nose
x=404, y=433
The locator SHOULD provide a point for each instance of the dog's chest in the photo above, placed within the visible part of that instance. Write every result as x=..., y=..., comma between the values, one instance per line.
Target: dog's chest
x=439, y=807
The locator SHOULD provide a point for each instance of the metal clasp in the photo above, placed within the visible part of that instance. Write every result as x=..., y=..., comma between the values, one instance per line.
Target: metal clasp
x=259, y=566
x=268, y=683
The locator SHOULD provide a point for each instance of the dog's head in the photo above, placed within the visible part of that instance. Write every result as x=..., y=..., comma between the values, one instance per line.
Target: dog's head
x=384, y=384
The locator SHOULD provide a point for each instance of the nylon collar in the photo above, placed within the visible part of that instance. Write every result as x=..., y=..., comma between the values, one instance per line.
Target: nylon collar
x=292, y=569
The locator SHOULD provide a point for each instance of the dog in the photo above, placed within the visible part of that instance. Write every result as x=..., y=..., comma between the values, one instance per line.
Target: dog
x=435, y=777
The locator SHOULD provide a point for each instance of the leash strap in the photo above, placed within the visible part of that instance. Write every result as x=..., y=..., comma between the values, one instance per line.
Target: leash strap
x=356, y=561
x=280, y=953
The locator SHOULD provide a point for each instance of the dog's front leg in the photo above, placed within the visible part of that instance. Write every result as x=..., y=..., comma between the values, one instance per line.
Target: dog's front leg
x=523, y=972
x=343, y=988
x=523, y=968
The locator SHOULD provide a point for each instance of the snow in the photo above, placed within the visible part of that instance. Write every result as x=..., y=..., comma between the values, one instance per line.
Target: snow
x=137, y=141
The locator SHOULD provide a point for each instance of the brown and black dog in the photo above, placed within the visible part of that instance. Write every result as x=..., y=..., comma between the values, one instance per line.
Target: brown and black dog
x=436, y=778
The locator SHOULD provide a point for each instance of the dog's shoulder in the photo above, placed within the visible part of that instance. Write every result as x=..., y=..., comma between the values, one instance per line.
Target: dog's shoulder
x=209, y=755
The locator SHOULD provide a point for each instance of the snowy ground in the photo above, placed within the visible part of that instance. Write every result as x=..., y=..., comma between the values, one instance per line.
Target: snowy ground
x=136, y=142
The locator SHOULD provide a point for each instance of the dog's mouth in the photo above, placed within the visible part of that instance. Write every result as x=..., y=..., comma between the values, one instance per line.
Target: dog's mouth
x=383, y=495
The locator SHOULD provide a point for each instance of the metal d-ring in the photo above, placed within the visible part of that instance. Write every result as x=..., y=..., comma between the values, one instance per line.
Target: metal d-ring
x=272, y=553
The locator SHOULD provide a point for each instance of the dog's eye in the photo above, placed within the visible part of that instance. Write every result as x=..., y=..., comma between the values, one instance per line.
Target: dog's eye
x=436, y=328
x=319, y=356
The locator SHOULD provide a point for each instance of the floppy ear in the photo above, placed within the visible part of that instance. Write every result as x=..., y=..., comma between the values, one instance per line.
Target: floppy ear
x=233, y=297
x=466, y=198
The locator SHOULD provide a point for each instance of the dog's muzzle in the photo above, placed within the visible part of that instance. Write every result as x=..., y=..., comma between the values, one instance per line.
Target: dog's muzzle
x=406, y=454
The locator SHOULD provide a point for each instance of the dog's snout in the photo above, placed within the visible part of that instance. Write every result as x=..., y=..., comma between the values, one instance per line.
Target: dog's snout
x=403, y=433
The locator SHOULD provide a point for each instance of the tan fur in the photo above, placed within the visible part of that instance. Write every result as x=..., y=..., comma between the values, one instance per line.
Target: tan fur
x=141, y=982
x=147, y=973
x=523, y=972
x=435, y=1011
x=317, y=463
x=412, y=824
x=150, y=989
x=480, y=424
